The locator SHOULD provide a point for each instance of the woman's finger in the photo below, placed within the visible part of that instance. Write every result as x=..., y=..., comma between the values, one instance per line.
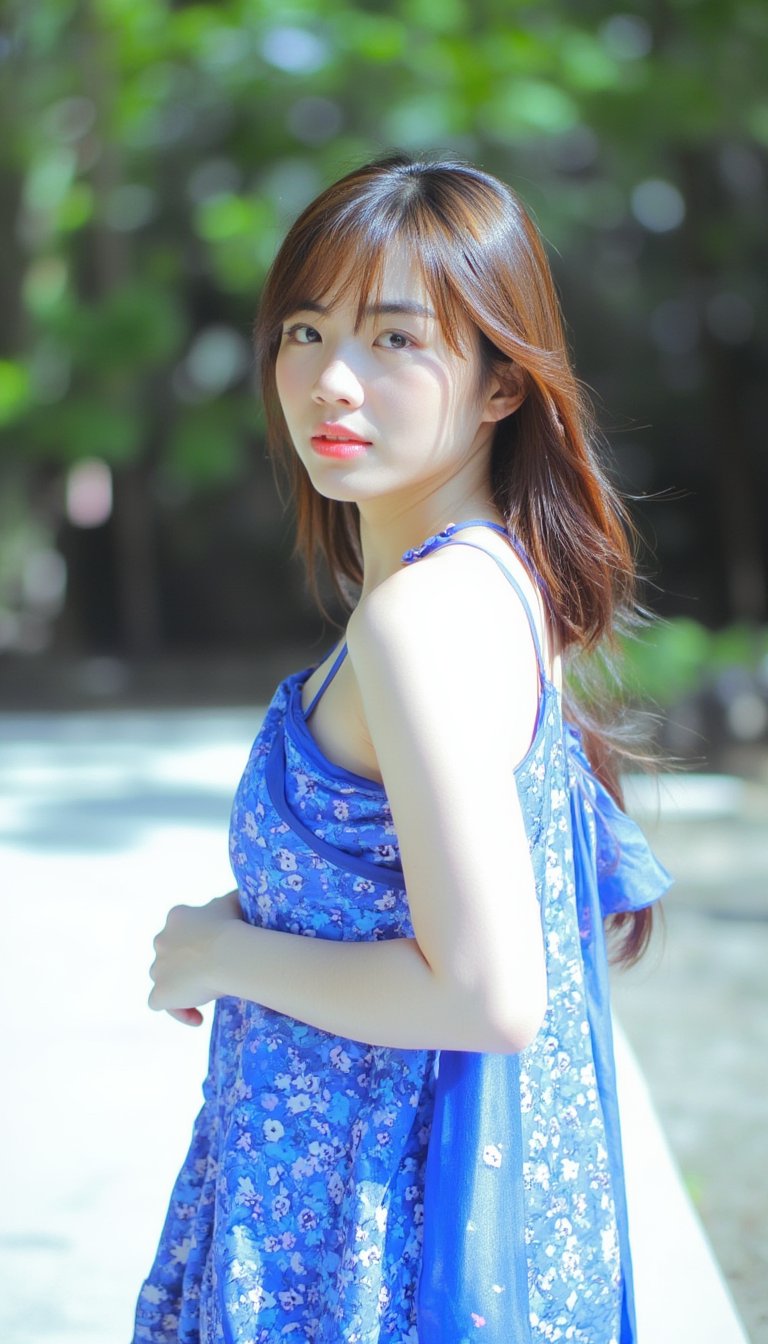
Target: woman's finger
x=190, y=1017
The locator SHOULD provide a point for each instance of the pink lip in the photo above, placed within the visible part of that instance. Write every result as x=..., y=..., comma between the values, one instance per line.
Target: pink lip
x=336, y=441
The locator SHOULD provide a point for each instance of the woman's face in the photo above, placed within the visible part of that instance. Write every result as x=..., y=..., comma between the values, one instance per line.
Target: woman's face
x=386, y=409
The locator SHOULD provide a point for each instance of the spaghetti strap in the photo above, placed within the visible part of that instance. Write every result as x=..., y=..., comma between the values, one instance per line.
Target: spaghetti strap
x=526, y=604
x=434, y=543
x=440, y=538
x=448, y=537
x=327, y=679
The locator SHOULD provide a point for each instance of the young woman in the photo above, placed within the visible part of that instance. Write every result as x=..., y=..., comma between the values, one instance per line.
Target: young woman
x=410, y=1129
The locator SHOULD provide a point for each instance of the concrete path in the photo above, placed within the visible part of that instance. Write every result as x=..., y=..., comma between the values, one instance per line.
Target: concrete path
x=106, y=820
x=696, y=1012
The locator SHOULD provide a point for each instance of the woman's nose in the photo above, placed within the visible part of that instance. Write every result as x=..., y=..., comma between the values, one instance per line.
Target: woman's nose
x=337, y=381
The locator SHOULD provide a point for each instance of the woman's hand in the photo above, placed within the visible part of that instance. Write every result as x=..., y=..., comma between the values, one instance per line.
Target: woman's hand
x=184, y=967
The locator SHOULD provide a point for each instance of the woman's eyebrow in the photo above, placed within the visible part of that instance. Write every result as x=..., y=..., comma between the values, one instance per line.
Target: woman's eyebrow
x=398, y=306
x=401, y=307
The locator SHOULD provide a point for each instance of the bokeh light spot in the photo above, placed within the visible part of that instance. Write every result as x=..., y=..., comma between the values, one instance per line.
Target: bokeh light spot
x=129, y=206
x=44, y=581
x=291, y=184
x=626, y=36
x=71, y=118
x=295, y=50
x=747, y=716
x=218, y=357
x=89, y=493
x=49, y=179
x=45, y=283
x=658, y=205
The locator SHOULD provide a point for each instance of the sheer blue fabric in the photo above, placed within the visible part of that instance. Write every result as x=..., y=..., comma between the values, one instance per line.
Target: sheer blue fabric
x=474, y=1221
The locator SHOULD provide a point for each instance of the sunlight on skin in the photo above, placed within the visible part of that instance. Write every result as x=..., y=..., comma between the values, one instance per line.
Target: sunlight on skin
x=416, y=405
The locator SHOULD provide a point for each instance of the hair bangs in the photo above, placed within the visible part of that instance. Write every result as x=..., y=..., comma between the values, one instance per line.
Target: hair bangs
x=348, y=253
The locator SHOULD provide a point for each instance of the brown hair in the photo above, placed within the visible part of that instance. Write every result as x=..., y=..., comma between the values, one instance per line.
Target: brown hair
x=484, y=267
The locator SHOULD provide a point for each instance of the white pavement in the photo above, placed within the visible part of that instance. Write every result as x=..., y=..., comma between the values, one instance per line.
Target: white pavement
x=105, y=821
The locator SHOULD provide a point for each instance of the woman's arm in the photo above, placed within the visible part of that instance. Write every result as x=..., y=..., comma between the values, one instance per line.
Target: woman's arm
x=445, y=665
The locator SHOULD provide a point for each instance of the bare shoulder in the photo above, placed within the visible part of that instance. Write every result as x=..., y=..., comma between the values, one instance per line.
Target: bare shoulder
x=448, y=637
x=456, y=595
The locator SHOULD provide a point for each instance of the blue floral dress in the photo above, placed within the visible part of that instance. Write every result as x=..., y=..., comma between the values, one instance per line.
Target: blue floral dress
x=337, y=1191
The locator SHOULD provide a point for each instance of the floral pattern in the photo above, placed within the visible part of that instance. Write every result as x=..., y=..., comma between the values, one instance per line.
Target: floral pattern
x=298, y=1212
x=574, y=1269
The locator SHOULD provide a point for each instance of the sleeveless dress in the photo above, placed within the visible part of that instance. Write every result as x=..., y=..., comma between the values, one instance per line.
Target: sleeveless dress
x=336, y=1191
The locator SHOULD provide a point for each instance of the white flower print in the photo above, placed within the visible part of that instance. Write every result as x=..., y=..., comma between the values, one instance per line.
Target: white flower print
x=295, y=1105
x=541, y=1175
x=340, y=1059
x=336, y=1187
x=273, y=1131
x=303, y=1166
x=260, y=1300
x=246, y=1191
x=371, y=1255
x=492, y=1155
x=180, y=1250
x=154, y=1294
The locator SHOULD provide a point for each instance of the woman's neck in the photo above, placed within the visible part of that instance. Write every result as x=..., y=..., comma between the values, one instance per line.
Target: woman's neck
x=387, y=531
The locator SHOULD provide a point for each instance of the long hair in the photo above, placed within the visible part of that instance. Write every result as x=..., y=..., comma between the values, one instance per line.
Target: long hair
x=484, y=267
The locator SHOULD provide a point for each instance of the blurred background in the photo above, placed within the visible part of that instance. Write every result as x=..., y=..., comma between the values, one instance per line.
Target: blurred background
x=152, y=154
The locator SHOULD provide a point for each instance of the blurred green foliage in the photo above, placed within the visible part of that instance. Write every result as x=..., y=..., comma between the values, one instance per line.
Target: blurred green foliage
x=153, y=152
x=679, y=658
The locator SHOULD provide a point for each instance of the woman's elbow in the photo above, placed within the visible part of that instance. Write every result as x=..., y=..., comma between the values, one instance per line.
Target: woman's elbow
x=493, y=1009
x=516, y=1019
x=521, y=1031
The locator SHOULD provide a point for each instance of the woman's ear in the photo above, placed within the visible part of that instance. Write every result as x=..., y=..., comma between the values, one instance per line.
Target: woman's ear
x=506, y=391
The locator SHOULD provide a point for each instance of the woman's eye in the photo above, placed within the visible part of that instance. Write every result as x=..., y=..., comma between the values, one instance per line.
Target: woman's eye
x=302, y=334
x=395, y=340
